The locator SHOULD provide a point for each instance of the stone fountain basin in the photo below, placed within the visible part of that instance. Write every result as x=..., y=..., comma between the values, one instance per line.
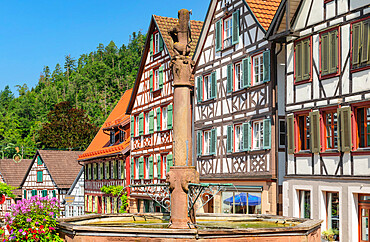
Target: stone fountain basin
x=212, y=227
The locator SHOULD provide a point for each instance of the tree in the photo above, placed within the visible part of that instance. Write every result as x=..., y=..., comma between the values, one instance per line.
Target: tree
x=67, y=128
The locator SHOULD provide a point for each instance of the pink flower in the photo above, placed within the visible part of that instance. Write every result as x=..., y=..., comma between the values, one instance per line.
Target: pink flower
x=29, y=219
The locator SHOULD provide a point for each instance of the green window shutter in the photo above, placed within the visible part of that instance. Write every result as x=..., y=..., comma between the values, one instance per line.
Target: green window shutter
x=141, y=124
x=161, y=77
x=306, y=59
x=25, y=194
x=333, y=50
x=199, y=89
x=324, y=54
x=169, y=162
x=230, y=139
x=151, y=45
x=247, y=136
x=246, y=72
x=356, y=42
x=230, y=78
x=141, y=168
x=235, y=34
x=266, y=66
x=298, y=62
x=39, y=176
x=290, y=133
x=151, y=80
x=218, y=32
x=169, y=116
x=151, y=121
x=39, y=161
x=54, y=193
x=34, y=192
x=199, y=143
x=101, y=168
x=315, y=131
x=151, y=167
x=107, y=170
x=160, y=42
x=132, y=168
x=345, y=129
x=44, y=193
x=132, y=126
x=213, y=142
x=365, y=41
x=159, y=161
x=267, y=134
x=159, y=119
x=115, y=175
x=213, y=85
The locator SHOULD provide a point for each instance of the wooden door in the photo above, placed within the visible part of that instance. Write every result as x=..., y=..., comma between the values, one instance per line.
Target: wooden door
x=99, y=204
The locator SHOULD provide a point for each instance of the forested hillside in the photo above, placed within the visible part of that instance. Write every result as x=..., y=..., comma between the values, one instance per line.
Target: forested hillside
x=94, y=82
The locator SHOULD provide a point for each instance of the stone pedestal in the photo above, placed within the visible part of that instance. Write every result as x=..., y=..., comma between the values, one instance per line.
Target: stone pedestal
x=179, y=177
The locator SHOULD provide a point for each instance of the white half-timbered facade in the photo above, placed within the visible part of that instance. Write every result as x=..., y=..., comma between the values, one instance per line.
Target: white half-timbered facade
x=236, y=112
x=327, y=77
x=51, y=174
x=74, y=199
x=151, y=109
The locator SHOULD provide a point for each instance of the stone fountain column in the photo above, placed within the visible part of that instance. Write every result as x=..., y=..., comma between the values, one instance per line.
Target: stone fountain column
x=182, y=173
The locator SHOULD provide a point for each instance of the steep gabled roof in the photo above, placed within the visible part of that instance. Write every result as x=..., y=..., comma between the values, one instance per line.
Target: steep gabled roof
x=100, y=145
x=13, y=173
x=264, y=10
x=163, y=24
x=75, y=182
x=61, y=165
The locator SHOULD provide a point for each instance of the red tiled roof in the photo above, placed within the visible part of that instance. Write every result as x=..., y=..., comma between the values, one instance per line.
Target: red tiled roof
x=99, y=145
x=165, y=23
x=264, y=10
x=13, y=173
x=62, y=165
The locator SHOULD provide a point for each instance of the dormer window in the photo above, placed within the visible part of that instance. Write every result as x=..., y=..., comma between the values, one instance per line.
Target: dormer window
x=112, y=137
x=121, y=136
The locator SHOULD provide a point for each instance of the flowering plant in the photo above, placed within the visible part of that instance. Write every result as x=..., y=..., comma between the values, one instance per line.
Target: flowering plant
x=33, y=220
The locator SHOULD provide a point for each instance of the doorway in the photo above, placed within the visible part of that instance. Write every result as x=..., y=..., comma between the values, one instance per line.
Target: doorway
x=364, y=217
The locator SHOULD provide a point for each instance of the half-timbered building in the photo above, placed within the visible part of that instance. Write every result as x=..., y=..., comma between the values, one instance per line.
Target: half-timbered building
x=51, y=174
x=236, y=112
x=74, y=200
x=12, y=173
x=151, y=110
x=106, y=160
x=327, y=60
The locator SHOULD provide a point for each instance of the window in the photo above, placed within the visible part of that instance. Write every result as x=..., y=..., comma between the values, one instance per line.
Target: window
x=329, y=49
x=39, y=161
x=304, y=204
x=207, y=87
x=146, y=174
x=238, y=139
x=238, y=73
x=156, y=43
x=258, y=69
x=282, y=133
x=164, y=166
x=146, y=123
x=164, y=118
x=331, y=126
x=257, y=135
x=363, y=125
x=112, y=137
x=228, y=28
x=241, y=202
x=206, y=142
x=136, y=168
x=156, y=79
x=302, y=60
x=121, y=136
x=107, y=169
x=137, y=124
x=332, y=212
x=39, y=176
x=303, y=132
x=360, y=44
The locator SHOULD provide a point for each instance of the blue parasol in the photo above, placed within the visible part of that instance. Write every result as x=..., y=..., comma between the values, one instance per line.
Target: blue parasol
x=241, y=200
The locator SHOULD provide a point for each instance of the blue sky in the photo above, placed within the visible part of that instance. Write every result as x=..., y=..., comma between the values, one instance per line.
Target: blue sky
x=38, y=33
